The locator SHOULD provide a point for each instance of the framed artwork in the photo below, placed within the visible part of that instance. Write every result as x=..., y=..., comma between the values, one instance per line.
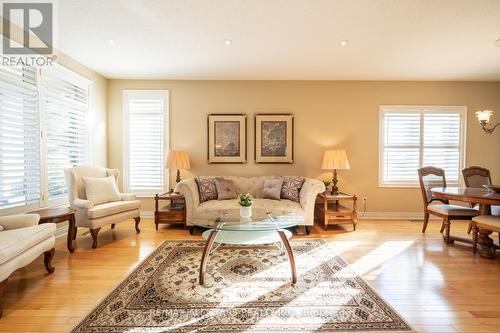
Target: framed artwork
x=273, y=138
x=227, y=138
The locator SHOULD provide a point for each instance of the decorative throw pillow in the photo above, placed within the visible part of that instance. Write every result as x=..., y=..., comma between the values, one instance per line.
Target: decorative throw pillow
x=206, y=188
x=101, y=190
x=226, y=189
x=291, y=187
x=272, y=188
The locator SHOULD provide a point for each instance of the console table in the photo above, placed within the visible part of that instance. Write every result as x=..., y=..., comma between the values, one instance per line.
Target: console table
x=330, y=209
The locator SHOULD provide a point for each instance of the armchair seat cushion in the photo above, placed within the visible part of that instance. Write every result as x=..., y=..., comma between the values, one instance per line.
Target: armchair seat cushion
x=111, y=208
x=452, y=210
x=16, y=241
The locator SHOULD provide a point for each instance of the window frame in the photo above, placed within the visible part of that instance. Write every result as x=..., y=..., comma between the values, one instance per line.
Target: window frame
x=153, y=93
x=420, y=109
x=77, y=79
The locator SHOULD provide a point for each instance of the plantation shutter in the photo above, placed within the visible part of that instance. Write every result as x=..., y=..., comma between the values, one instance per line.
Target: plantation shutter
x=145, y=141
x=19, y=137
x=65, y=106
x=413, y=137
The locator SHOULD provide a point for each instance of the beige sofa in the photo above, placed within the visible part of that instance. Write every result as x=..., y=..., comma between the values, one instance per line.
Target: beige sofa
x=93, y=216
x=253, y=185
x=22, y=240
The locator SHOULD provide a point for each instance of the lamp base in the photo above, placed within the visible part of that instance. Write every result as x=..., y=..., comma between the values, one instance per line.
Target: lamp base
x=335, y=188
x=178, y=178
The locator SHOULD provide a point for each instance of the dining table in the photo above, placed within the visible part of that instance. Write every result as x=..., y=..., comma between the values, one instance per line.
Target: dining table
x=481, y=196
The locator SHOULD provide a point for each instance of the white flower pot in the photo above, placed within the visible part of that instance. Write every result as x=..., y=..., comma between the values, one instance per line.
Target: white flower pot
x=246, y=211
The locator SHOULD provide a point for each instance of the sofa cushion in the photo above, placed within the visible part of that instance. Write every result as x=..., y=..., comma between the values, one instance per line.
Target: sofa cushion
x=16, y=241
x=291, y=187
x=112, y=208
x=276, y=207
x=226, y=189
x=272, y=188
x=207, y=189
x=101, y=190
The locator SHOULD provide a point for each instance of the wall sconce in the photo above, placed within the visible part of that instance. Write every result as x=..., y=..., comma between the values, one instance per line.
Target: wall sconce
x=484, y=121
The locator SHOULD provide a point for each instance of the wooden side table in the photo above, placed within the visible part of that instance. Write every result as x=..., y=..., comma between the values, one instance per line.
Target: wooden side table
x=331, y=211
x=58, y=215
x=170, y=208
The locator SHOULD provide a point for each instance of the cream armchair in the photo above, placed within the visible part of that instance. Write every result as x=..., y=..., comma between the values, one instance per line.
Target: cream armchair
x=22, y=240
x=93, y=216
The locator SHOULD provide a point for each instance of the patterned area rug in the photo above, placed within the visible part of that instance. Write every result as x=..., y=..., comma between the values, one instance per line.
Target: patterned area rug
x=247, y=289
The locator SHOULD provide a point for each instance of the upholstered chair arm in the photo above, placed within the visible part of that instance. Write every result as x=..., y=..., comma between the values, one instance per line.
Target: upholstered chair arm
x=127, y=196
x=189, y=189
x=82, y=204
x=308, y=193
x=19, y=221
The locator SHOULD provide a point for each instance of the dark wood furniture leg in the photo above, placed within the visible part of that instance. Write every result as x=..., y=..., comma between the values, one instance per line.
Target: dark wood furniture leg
x=289, y=251
x=426, y=221
x=94, y=233
x=137, y=221
x=206, y=253
x=475, y=232
x=112, y=226
x=47, y=260
x=2, y=289
x=486, y=245
x=71, y=234
x=75, y=232
x=191, y=230
x=308, y=229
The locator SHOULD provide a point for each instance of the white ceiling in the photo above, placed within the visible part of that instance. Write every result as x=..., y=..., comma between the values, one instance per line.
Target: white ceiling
x=284, y=39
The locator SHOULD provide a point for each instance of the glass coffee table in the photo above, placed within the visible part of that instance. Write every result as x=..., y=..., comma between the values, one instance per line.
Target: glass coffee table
x=227, y=227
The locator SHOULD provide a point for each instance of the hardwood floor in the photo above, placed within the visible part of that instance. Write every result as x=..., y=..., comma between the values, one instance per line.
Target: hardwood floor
x=437, y=288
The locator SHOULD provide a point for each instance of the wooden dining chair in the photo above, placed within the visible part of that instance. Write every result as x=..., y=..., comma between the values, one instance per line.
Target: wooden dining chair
x=476, y=176
x=428, y=178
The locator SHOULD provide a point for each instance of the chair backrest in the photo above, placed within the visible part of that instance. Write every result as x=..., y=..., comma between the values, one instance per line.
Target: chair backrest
x=76, y=188
x=430, y=177
x=476, y=176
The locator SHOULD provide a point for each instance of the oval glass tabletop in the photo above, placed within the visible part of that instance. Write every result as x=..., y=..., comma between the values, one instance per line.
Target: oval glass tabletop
x=261, y=220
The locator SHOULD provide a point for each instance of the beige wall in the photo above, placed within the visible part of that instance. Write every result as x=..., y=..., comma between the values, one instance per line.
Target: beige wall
x=328, y=114
x=98, y=107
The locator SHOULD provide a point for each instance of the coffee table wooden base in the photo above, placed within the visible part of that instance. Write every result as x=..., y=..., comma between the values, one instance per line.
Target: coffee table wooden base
x=58, y=215
x=211, y=237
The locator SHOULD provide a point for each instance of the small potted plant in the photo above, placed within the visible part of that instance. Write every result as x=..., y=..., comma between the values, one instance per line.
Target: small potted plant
x=245, y=201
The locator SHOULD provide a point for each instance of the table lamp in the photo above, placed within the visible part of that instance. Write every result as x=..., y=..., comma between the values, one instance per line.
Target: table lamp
x=177, y=160
x=335, y=160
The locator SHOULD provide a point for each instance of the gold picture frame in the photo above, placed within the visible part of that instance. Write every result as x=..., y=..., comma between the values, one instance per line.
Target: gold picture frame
x=274, y=138
x=227, y=138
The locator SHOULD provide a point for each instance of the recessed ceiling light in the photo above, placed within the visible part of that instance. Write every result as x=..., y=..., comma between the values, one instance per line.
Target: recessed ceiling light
x=111, y=41
x=344, y=42
x=497, y=43
x=228, y=42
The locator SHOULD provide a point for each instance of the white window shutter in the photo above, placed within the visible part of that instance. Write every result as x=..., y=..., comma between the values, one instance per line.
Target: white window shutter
x=65, y=105
x=145, y=142
x=19, y=137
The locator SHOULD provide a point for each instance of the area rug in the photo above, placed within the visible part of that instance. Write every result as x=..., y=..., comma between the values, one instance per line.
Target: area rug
x=247, y=289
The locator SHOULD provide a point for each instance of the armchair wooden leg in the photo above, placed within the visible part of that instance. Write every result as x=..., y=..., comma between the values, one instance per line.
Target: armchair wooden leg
x=112, y=226
x=2, y=288
x=442, y=226
x=75, y=232
x=47, y=259
x=426, y=221
x=137, y=221
x=308, y=229
x=94, y=233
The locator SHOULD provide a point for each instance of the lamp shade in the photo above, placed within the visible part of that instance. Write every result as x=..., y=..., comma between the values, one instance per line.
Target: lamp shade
x=335, y=159
x=484, y=115
x=177, y=160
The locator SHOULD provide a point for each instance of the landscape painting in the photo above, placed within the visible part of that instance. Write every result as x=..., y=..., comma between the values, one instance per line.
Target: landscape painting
x=227, y=138
x=274, y=138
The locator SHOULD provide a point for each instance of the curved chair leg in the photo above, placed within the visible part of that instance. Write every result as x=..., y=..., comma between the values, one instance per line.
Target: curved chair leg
x=47, y=259
x=75, y=232
x=2, y=288
x=112, y=226
x=137, y=221
x=442, y=226
x=447, y=231
x=426, y=220
x=94, y=233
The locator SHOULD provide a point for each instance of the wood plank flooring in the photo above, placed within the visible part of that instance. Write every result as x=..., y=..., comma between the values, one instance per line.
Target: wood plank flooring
x=437, y=288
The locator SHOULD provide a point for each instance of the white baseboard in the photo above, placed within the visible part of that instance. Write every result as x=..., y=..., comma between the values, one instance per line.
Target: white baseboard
x=148, y=214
